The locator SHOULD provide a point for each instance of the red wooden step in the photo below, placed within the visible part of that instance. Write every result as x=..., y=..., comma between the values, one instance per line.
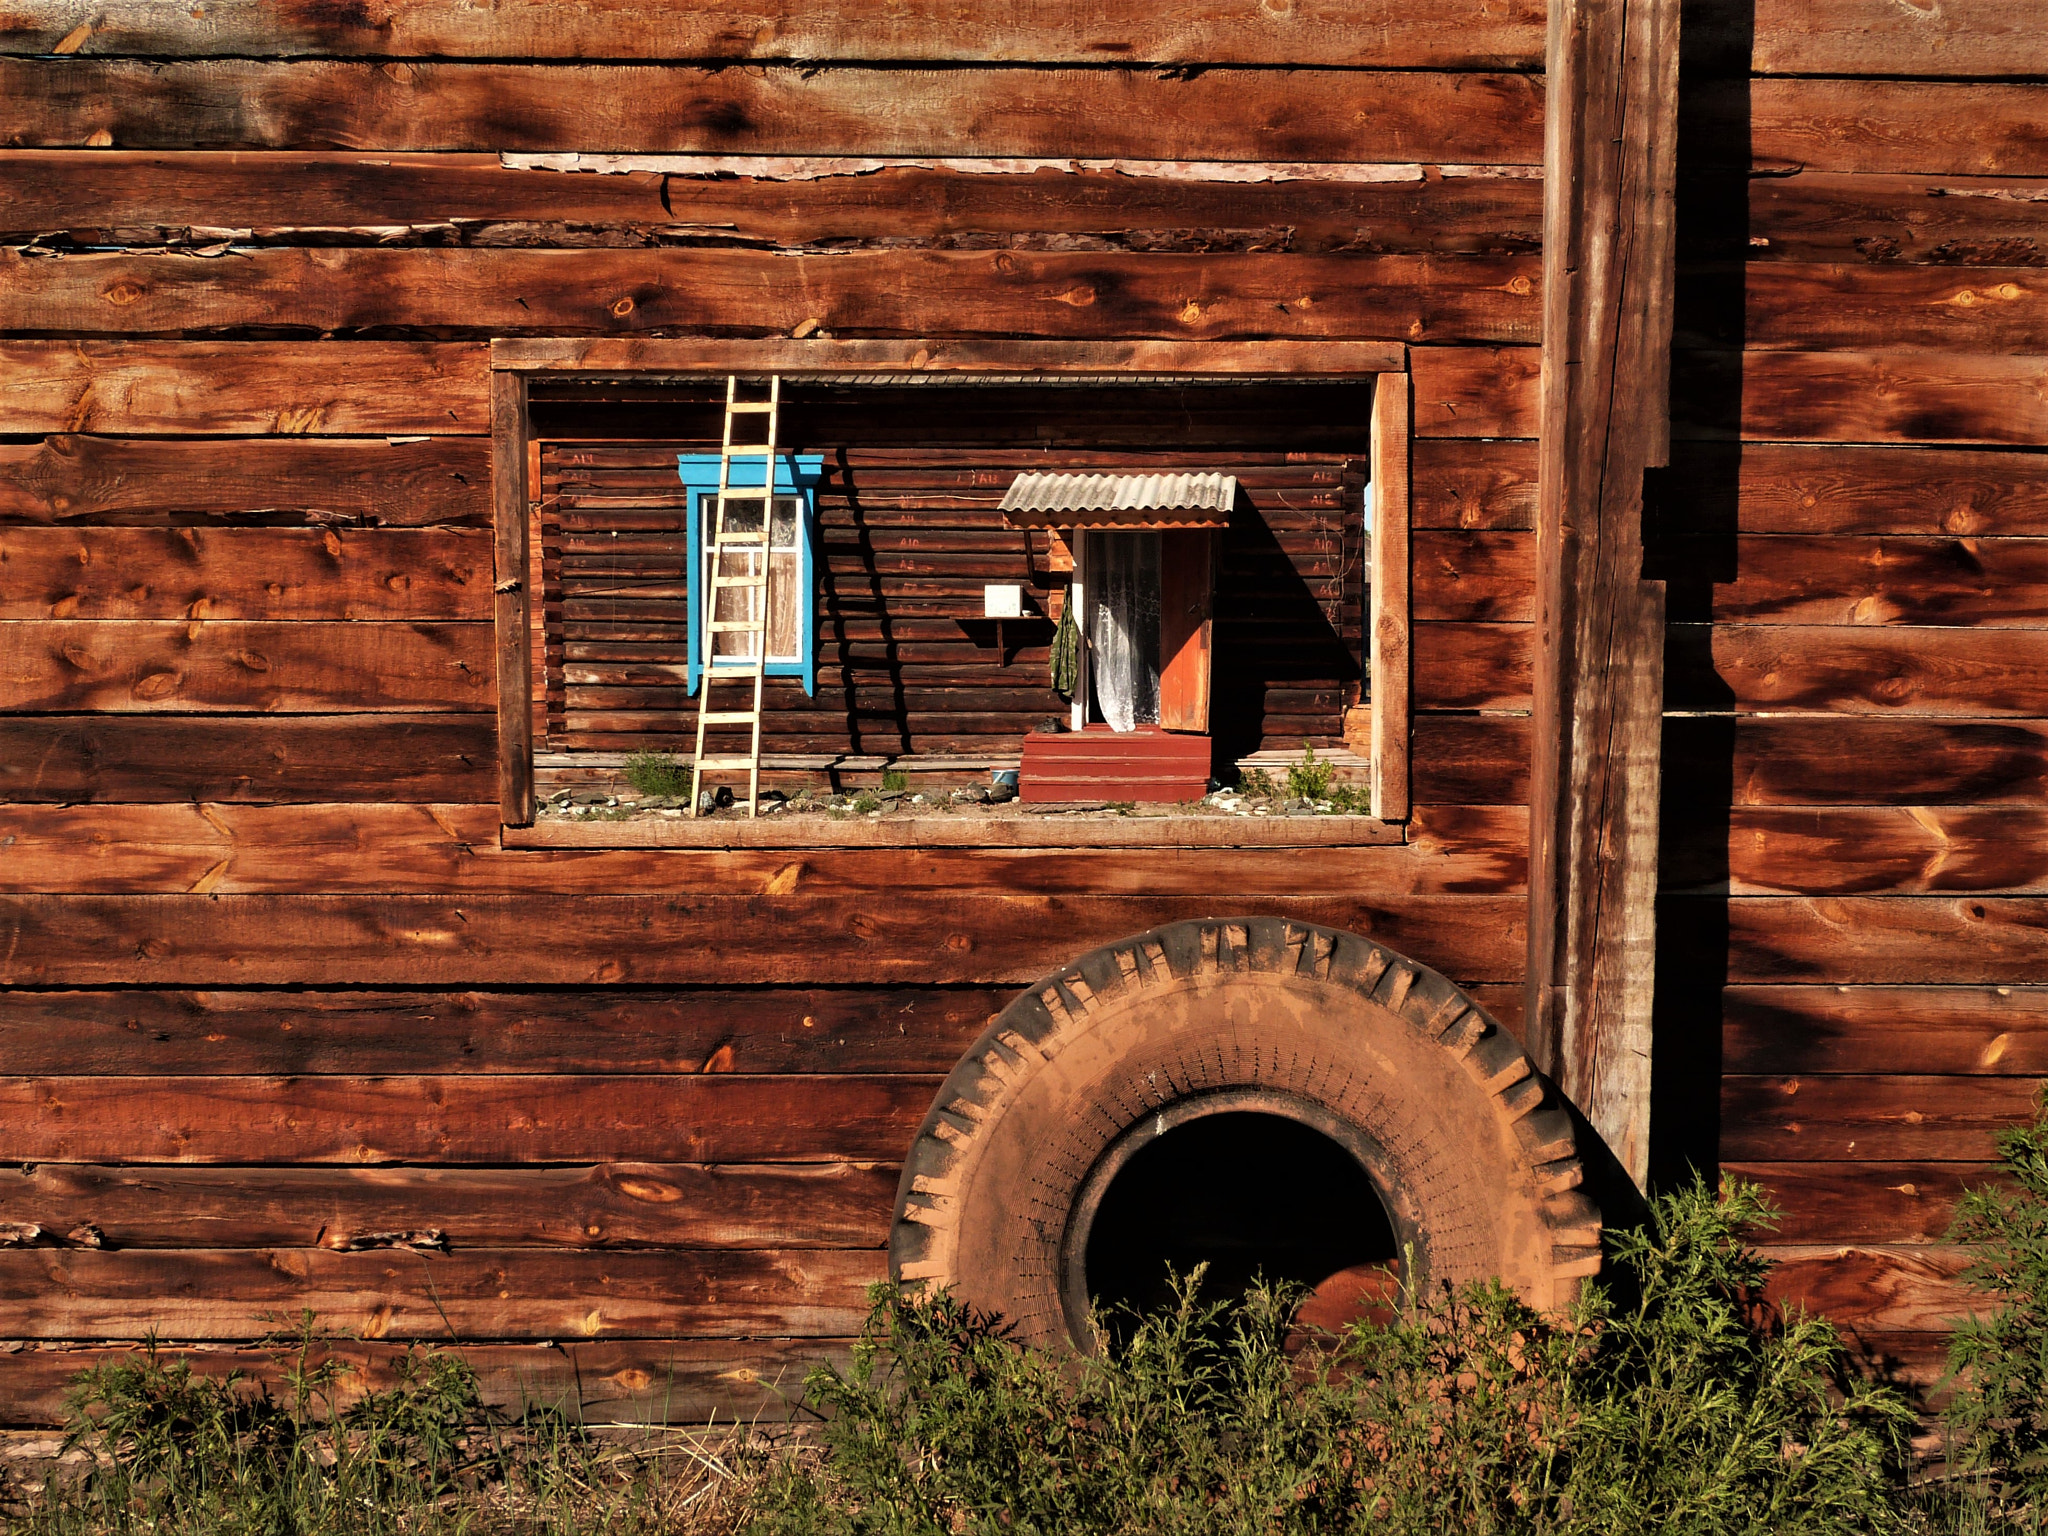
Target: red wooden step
x=1147, y=764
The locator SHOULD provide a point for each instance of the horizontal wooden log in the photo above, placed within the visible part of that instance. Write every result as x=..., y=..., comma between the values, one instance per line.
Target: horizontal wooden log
x=1475, y=391
x=376, y=483
x=610, y=1205
x=1971, y=221
x=1839, y=579
x=1472, y=484
x=886, y=293
x=112, y=759
x=1851, y=940
x=450, y=1120
x=1400, y=117
x=244, y=573
x=503, y=1293
x=1460, y=760
x=1473, y=576
x=599, y=1381
x=143, y=198
x=1942, y=1031
x=1839, y=669
x=1472, y=666
x=294, y=388
x=1861, y=850
x=1870, y=1119
x=1861, y=397
x=1854, y=37
x=1847, y=760
x=1864, y=1202
x=914, y=361
x=1901, y=127
x=1797, y=488
x=1815, y=306
x=1470, y=35
x=1872, y=1289
x=56, y=666
x=491, y=940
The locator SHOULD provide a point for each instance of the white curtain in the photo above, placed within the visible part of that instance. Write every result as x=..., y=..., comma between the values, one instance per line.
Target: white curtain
x=1123, y=627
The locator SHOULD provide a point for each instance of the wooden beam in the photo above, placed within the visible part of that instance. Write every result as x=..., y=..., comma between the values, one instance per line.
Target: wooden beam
x=1391, y=659
x=919, y=358
x=509, y=432
x=1612, y=73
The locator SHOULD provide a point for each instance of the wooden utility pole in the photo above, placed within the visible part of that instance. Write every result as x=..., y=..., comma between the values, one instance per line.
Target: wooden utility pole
x=1612, y=129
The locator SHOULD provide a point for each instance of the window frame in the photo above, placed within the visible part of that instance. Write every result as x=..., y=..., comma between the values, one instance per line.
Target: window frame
x=797, y=477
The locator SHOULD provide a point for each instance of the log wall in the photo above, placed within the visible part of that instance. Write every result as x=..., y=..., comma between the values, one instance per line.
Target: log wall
x=284, y=1025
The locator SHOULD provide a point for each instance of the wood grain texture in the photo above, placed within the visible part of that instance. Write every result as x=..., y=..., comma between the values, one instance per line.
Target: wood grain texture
x=608, y=1205
x=243, y=573
x=1460, y=760
x=1837, y=579
x=1863, y=850
x=1953, y=220
x=1851, y=940
x=1947, y=1031
x=1486, y=577
x=488, y=940
x=1472, y=666
x=1870, y=1119
x=1865, y=397
x=1870, y=37
x=1398, y=116
x=1864, y=1202
x=1473, y=485
x=374, y=483
x=888, y=293
x=1903, y=127
x=158, y=758
x=1806, y=489
x=1389, y=649
x=293, y=388
x=513, y=642
x=58, y=666
x=1475, y=391
x=1824, y=760
x=1473, y=34
x=1817, y=306
x=1839, y=669
x=451, y=1120
x=1869, y=1289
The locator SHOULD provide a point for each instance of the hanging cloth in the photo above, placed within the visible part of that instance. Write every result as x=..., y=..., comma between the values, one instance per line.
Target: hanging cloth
x=1066, y=653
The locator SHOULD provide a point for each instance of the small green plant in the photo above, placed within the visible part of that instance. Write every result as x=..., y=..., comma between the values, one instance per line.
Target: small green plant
x=865, y=803
x=1349, y=800
x=657, y=774
x=1311, y=778
x=1257, y=783
x=895, y=781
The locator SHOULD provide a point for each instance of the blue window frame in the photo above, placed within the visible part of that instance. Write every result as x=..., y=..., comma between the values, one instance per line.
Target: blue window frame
x=797, y=475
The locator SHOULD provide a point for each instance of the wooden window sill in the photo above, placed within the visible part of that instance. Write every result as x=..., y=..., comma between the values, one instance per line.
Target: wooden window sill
x=811, y=831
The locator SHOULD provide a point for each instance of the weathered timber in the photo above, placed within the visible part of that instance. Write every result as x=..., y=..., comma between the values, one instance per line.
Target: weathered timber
x=191, y=197
x=510, y=1294
x=116, y=758
x=243, y=573
x=916, y=360
x=1953, y=220
x=254, y=1032
x=1862, y=850
x=1900, y=127
x=1991, y=1031
x=1811, y=306
x=1865, y=397
x=294, y=388
x=1471, y=761
x=1473, y=485
x=449, y=1120
x=1836, y=579
x=1869, y=1119
x=376, y=483
x=590, y=1382
x=1490, y=842
x=1475, y=576
x=1472, y=34
x=1472, y=666
x=1854, y=37
x=1136, y=836
x=488, y=939
x=1396, y=116
x=609, y=1205
x=1841, y=669
x=888, y=293
x=1796, y=488
x=1391, y=604
x=513, y=642
x=1850, y=940
x=1872, y=1289
x=1475, y=391
x=60, y=665
x=1848, y=760
x=1864, y=1202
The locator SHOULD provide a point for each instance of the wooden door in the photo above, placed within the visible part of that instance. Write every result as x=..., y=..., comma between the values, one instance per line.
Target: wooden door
x=1187, y=561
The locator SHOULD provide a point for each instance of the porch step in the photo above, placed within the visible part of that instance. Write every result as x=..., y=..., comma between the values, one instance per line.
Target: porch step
x=1146, y=765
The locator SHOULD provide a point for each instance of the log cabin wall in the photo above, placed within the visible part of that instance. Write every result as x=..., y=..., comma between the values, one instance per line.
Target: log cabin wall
x=283, y=1024
x=1853, y=876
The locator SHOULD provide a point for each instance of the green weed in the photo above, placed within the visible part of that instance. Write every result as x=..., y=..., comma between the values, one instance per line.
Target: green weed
x=1311, y=778
x=895, y=781
x=657, y=773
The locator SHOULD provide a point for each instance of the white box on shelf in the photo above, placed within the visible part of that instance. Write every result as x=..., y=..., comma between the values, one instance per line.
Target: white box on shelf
x=1002, y=600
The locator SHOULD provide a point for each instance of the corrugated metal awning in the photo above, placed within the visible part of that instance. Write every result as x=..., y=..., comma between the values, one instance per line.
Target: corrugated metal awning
x=1120, y=501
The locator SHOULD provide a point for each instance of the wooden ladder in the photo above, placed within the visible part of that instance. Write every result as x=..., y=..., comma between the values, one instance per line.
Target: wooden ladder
x=753, y=667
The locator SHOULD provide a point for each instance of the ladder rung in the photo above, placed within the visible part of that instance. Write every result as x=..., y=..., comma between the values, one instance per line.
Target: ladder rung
x=716, y=763
x=735, y=627
x=748, y=451
x=739, y=583
x=730, y=717
x=751, y=407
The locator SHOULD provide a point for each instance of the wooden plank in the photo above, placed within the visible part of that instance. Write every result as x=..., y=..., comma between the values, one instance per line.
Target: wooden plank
x=605, y=1206
x=1946, y=1031
x=1491, y=841
x=511, y=439
x=243, y=1032
x=488, y=940
x=501, y=1293
x=1473, y=485
x=242, y=573
x=1873, y=1289
x=375, y=483
x=1460, y=760
x=1490, y=577
x=452, y=1120
x=1864, y=1202
x=1842, y=759
x=964, y=831
x=54, y=666
x=1796, y=488
x=1863, y=850
x=296, y=388
x=1967, y=220
x=1472, y=666
x=1475, y=391
x=1851, y=940
x=1870, y=1119
x=903, y=293
x=917, y=359
x=1390, y=656
x=1306, y=115
x=1897, y=126
x=146, y=198
x=1472, y=34
x=1839, y=669
x=1865, y=397
x=1814, y=306
x=1838, y=579
x=1863, y=37
x=101, y=759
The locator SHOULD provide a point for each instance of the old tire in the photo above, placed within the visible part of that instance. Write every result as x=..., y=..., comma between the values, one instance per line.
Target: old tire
x=1469, y=1148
